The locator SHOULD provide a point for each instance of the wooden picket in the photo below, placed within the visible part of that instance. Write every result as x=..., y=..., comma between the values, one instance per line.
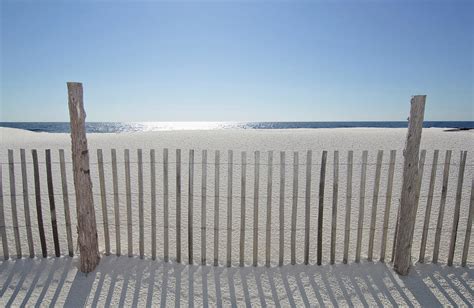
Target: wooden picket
x=16, y=230
x=52, y=203
x=322, y=179
x=350, y=159
x=26, y=203
x=444, y=191
x=360, y=224
x=269, y=208
x=3, y=232
x=67, y=214
x=39, y=210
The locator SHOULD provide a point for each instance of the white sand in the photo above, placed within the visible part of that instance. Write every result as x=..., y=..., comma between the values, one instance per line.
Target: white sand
x=249, y=140
x=131, y=282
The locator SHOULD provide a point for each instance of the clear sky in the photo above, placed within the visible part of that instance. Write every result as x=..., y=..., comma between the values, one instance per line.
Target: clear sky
x=237, y=61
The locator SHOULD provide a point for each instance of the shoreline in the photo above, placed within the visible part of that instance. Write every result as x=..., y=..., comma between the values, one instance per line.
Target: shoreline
x=443, y=129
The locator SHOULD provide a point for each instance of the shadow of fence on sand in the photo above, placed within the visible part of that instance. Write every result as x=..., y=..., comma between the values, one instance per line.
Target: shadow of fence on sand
x=123, y=281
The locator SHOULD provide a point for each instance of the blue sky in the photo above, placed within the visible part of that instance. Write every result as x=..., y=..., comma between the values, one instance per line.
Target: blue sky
x=237, y=61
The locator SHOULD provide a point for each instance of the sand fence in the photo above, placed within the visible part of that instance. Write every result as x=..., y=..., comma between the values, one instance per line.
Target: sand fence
x=201, y=189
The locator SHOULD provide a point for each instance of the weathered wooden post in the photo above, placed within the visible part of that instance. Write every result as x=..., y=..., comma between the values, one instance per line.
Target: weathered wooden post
x=86, y=224
x=407, y=211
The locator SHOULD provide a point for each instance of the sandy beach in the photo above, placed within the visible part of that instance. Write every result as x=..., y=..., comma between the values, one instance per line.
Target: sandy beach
x=300, y=140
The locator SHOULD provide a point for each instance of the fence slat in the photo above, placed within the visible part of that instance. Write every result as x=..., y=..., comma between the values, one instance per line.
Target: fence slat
x=116, y=202
x=255, y=206
x=178, y=205
x=294, y=207
x=350, y=158
x=322, y=180
x=67, y=214
x=140, y=205
x=203, y=207
x=442, y=204
x=52, y=203
x=394, y=243
x=153, y=203
x=39, y=211
x=457, y=208
x=103, y=198
x=269, y=209
x=243, y=171
x=3, y=232
x=335, y=190
x=363, y=173
x=467, y=238
x=190, y=205
x=230, y=163
x=388, y=203
x=129, y=202
x=16, y=231
x=165, y=206
x=375, y=201
x=429, y=203
x=421, y=166
x=419, y=180
x=243, y=196
x=217, y=156
x=307, y=206
x=282, y=208
x=26, y=203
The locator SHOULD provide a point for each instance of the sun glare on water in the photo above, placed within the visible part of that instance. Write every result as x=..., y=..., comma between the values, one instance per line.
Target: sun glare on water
x=157, y=126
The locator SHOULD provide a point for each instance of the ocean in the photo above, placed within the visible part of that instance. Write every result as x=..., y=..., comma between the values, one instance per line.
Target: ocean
x=118, y=127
